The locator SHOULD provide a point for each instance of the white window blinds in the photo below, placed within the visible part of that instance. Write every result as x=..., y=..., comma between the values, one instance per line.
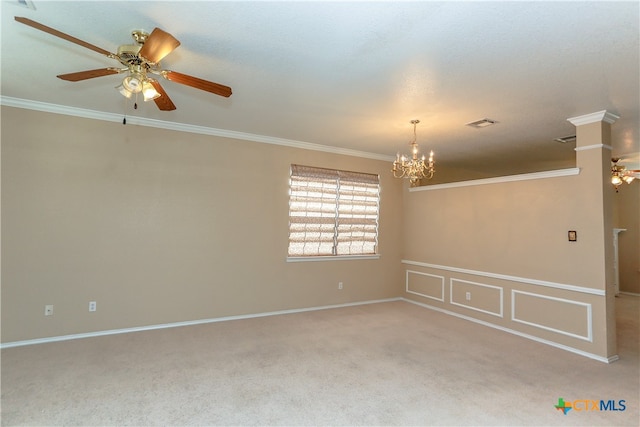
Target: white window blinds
x=332, y=212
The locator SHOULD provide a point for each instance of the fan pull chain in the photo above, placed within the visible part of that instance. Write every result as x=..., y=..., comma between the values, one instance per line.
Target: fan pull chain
x=124, y=119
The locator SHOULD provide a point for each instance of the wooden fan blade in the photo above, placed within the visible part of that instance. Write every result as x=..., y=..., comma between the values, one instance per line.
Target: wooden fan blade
x=158, y=45
x=197, y=83
x=89, y=74
x=62, y=35
x=163, y=102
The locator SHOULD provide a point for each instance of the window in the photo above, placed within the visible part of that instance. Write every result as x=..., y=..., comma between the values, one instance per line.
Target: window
x=332, y=212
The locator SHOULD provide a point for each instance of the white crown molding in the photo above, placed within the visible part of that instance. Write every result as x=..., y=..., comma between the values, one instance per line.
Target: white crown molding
x=181, y=127
x=600, y=116
x=591, y=147
x=500, y=179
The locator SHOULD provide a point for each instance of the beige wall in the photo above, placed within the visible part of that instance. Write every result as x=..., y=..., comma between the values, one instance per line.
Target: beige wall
x=515, y=228
x=158, y=226
x=627, y=201
x=499, y=253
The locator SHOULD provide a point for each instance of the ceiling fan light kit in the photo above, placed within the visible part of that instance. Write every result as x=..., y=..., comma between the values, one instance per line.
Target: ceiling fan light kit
x=133, y=82
x=137, y=82
x=138, y=60
x=149, y=92
x=620, y=174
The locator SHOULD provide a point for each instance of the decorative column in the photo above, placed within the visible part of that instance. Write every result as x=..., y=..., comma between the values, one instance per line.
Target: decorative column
x=593, y=157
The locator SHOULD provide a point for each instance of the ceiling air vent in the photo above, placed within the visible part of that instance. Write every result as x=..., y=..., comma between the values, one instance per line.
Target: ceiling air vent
x=565, y=139
x=481, y=123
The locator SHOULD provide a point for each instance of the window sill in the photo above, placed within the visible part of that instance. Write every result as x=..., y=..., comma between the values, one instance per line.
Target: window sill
x=331, y=258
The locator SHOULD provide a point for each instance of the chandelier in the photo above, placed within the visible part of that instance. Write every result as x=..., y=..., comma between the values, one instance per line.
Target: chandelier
x=620, y=174
x=416, y=167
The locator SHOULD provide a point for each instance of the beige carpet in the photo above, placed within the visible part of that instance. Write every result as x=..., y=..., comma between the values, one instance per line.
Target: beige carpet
x=382, y=364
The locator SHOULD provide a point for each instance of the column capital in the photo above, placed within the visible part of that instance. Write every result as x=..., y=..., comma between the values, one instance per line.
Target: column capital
x=600, y=116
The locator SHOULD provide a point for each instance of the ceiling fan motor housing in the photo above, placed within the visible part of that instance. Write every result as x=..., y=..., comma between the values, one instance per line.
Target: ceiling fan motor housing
x=129, y=53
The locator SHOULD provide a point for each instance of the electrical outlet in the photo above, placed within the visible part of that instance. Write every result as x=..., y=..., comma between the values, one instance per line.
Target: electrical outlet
x=48, y=310
x=92, y=306
x=468, y=296
x=340, y=285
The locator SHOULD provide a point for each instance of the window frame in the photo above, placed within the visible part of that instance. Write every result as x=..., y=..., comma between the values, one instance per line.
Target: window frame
x=321, y=179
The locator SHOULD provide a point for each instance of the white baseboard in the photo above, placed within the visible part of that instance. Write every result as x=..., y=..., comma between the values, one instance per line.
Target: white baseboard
x=187, y=323
x=521, y=334
x=299, y=310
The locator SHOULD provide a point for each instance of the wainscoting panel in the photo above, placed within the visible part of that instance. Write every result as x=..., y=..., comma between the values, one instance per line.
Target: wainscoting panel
x=563, y=316
x=425, y=285
x=477, y=296
x=558, y=314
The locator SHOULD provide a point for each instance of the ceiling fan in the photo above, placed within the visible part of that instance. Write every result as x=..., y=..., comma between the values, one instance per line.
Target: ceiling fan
x=620, y=173
x=139, y=60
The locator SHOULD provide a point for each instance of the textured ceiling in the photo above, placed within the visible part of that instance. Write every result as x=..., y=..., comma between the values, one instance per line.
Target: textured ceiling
x=353, y=74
